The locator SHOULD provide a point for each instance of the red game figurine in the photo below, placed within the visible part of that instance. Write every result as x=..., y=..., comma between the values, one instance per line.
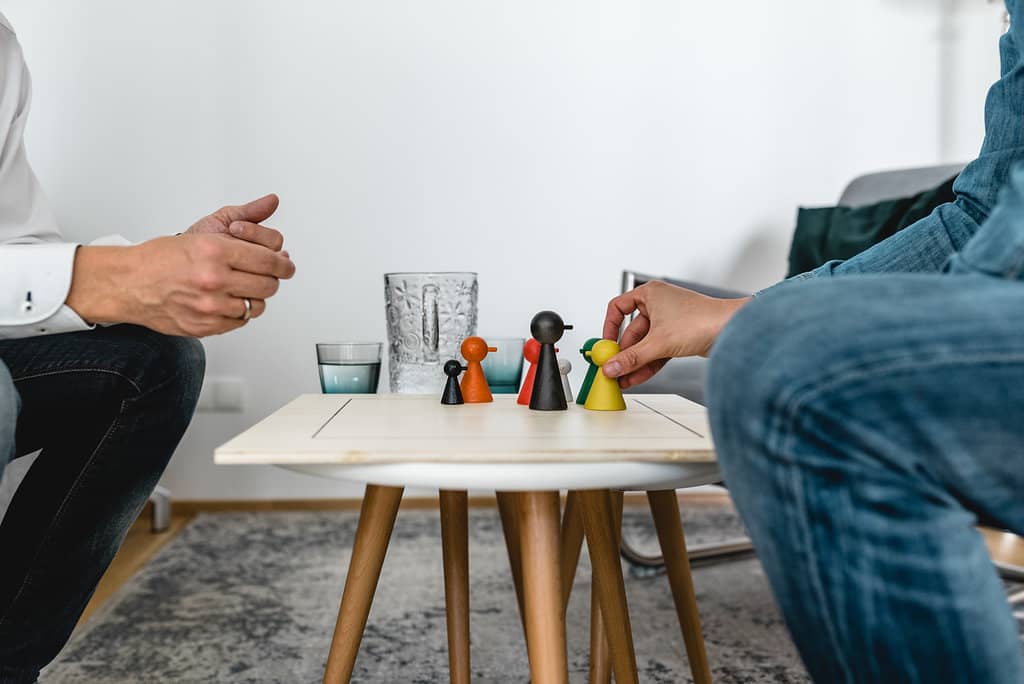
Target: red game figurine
x=474, y=383
x=531, y=352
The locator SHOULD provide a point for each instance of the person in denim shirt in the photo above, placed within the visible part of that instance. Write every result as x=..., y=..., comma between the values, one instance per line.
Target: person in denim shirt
x=869, y=414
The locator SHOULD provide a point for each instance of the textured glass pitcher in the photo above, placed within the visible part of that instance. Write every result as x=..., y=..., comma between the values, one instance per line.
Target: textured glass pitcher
x=429, y=315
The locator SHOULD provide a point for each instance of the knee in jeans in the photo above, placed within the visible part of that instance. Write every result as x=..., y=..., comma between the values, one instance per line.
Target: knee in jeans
x=172, y=366
x=183, y=361
x=769, y=348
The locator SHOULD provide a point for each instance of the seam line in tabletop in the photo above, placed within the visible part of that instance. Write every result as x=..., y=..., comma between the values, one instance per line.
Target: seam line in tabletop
x=333, y=416
x=651, y=408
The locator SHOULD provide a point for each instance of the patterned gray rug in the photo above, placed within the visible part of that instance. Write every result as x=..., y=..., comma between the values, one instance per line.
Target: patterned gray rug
x=252, y=597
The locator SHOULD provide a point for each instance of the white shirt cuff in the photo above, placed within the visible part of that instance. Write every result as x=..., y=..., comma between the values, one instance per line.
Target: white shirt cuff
x=34, y=282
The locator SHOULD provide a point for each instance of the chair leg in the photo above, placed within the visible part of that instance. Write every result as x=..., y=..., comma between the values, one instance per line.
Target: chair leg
x=538, y=514
x=740, y=546
x=665, y=509
x=510, y=526
x=376, y=520
x=455, y=551
x=572, y=544
x=161, y=500
x=602, y=542
x=600, y=655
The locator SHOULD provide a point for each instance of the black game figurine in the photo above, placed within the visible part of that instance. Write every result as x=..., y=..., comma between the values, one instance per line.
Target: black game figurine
x=452, y=395
x=547, y=327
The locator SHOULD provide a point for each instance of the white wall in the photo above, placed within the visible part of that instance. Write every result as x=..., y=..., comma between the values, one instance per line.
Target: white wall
x=546, y=144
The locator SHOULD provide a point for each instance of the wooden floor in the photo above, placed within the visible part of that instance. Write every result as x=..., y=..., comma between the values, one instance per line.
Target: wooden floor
x=1005, y=547
x=141, y=544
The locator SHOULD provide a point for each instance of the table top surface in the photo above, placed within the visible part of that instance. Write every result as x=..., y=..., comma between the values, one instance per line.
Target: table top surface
x=383, y=429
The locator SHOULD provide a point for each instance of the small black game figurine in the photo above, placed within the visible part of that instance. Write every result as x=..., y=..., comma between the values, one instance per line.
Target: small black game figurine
x=547, y=328
x=452, y=392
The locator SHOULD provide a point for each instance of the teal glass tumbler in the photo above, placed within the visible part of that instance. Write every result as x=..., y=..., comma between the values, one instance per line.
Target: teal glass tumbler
x=349, y=367
x=504, y=368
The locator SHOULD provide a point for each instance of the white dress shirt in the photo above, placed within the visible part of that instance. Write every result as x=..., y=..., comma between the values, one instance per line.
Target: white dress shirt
x=35, y=261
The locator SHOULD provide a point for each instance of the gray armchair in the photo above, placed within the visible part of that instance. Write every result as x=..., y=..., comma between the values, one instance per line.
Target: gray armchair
x=685, y=377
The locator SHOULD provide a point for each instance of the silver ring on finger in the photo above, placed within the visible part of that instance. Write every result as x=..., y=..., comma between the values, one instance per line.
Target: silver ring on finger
x=248, y=309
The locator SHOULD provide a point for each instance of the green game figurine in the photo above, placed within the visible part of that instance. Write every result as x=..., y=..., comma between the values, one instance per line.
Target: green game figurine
x=588, y=382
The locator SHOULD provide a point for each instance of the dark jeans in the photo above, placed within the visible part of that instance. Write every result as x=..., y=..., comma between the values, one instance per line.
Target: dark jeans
x=107, y=408
x=865, y=425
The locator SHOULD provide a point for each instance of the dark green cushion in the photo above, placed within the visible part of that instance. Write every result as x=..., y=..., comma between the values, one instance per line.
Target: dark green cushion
x=828, y=233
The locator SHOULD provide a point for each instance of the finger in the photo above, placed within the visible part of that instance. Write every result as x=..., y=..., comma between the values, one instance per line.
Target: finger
x=633, y=359
x=229, y=325
x=245, y=256
x=218, y=326
x=642, y=375
x=635, y=331
x=256, y=307
x=242, y=284
x=256, y=211
x=257, y=234
x=618, y=309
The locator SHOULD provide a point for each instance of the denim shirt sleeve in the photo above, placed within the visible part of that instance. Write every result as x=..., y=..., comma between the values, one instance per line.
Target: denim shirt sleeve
x=997, y=249
x=928, y=244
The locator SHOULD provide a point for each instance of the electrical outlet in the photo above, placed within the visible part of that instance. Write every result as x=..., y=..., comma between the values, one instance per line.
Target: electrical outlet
x=230, y=395
x=207, y=398
x=222, y=395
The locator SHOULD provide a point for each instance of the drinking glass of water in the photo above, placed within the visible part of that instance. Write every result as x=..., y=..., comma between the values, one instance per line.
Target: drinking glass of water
x=349, y=367
x=504, y=368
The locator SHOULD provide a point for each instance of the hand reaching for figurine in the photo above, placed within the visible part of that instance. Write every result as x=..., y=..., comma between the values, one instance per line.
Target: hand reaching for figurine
x=670, y=322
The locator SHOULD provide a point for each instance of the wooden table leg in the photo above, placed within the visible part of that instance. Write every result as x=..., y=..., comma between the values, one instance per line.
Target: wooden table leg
x=376, y=520
x=600, y=654
x=602, y=542
x=542, y=590
x=455, y=551
x=510, y=526
x=665, y=510
x=571, y=543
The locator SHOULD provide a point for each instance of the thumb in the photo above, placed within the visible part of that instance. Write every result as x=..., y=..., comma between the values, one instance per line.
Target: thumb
x=256, y=211
x=632, y=359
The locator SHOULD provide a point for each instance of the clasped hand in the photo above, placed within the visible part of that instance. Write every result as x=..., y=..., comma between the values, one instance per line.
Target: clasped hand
x=213, y=267
x=194, y=284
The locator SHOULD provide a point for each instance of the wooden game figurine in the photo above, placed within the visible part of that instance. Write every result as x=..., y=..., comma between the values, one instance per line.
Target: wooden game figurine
x=452, y=395
x=531, y=352
x=474, y=383
x=564, y=368
x=547, y=327
x=605, y=394
x=588, y=381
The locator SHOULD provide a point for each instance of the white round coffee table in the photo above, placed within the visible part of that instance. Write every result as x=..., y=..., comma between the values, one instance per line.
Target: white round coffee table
x=391, y=442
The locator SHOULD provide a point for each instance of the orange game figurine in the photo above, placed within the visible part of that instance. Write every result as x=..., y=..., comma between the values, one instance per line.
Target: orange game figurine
x=474, y=383
x=605, y=394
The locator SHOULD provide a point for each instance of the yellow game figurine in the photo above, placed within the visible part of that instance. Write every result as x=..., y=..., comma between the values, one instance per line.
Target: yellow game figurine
x=605, y=394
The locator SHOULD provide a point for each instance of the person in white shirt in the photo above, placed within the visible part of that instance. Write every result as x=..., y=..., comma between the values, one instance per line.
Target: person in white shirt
x=100, y=369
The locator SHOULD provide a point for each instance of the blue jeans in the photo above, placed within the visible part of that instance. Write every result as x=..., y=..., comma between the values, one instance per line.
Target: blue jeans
x=865, y=425
x=107, y=408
